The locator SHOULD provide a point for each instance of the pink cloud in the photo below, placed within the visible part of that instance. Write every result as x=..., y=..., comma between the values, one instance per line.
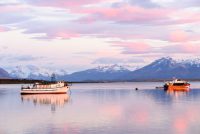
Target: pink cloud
x=190, y=48
x=188, y=20
x=61, y=34
x=65, y=35
x=144, y=48
x=3, y=29
x=134, y=47
x=183, y=36
x=126, y=13
x=13, y=8
x=186, y=17
x=178, y=36
x=181, y=48
x=97, y=20
x=64, y=3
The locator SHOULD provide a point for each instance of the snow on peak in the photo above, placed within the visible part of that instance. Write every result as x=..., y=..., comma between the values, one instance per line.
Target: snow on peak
x=192, y=62
x=165, y=59
x=30, y=71
x=115, y=68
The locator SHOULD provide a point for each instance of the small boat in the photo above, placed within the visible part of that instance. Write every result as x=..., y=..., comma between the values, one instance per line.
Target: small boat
x=177, y=85
x=46, y=88
x=159, y=87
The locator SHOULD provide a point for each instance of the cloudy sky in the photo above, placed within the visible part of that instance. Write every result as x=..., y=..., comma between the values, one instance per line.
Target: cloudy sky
x=79, y=34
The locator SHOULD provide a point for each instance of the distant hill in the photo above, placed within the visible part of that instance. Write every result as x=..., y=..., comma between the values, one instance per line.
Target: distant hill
x=4, y=73
x=34, y=72
x=167, y=68
x=161, y=69
x=101, y=73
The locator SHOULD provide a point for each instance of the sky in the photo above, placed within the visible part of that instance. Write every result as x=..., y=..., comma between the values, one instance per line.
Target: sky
x=79, y=34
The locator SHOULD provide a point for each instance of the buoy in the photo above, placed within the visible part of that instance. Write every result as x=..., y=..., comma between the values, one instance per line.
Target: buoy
x=136, y=88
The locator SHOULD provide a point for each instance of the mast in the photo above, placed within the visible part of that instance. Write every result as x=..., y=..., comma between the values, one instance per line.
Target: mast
x=53, y=77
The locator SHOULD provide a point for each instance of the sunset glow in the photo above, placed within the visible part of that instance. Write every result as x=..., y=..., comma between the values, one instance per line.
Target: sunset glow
x=74, y=35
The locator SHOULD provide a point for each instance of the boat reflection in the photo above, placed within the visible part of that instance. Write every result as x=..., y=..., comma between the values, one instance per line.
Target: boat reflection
x=176, y=94
x=168, y=97
x=47, y=99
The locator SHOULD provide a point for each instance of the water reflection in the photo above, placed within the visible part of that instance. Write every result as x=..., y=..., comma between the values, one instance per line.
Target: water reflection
x=166, y=97
x=47, y=99
x=177, y=94
x=102, y=111
x=2, y=92
x=107, y=95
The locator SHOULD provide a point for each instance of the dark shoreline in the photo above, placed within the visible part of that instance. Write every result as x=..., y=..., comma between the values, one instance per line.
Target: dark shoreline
x=19, y=81
x=28, y=81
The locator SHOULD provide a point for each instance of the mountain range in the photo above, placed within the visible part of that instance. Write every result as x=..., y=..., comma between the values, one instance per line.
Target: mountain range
x=167, y=68
x=4, y=73
x=33, y=72
x=164, y=68
x=101, y=73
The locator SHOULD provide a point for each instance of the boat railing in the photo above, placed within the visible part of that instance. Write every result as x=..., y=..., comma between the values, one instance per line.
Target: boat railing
x=41, y=87
x=45, y=86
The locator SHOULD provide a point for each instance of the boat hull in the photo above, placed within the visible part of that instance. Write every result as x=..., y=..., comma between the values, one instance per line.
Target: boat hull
x=61, y=90
x=177, y=88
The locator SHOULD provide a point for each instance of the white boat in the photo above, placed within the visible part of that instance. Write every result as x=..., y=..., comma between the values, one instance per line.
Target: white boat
x=46, y=88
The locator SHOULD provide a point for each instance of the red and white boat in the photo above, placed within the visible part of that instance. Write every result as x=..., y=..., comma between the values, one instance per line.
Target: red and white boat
x=46, y=88
x=177, y=85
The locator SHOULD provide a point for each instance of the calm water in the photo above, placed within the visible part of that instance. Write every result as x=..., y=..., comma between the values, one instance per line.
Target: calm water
x=108, y=108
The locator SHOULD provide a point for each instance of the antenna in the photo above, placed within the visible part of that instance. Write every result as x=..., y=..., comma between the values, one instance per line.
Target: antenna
x=53, y=77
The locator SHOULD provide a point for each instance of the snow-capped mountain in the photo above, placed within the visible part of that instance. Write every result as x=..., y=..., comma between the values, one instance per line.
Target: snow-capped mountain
x=115, y=68
x=109, y=72
x=167, y=68
x=100, y=73
x=164, y=68
x=191, y=62
x=33, y=72
x=132, y=67
x=112, y=68
x=4, y=73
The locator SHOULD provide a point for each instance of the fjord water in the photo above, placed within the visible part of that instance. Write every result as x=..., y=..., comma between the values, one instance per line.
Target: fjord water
x=101, y=108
